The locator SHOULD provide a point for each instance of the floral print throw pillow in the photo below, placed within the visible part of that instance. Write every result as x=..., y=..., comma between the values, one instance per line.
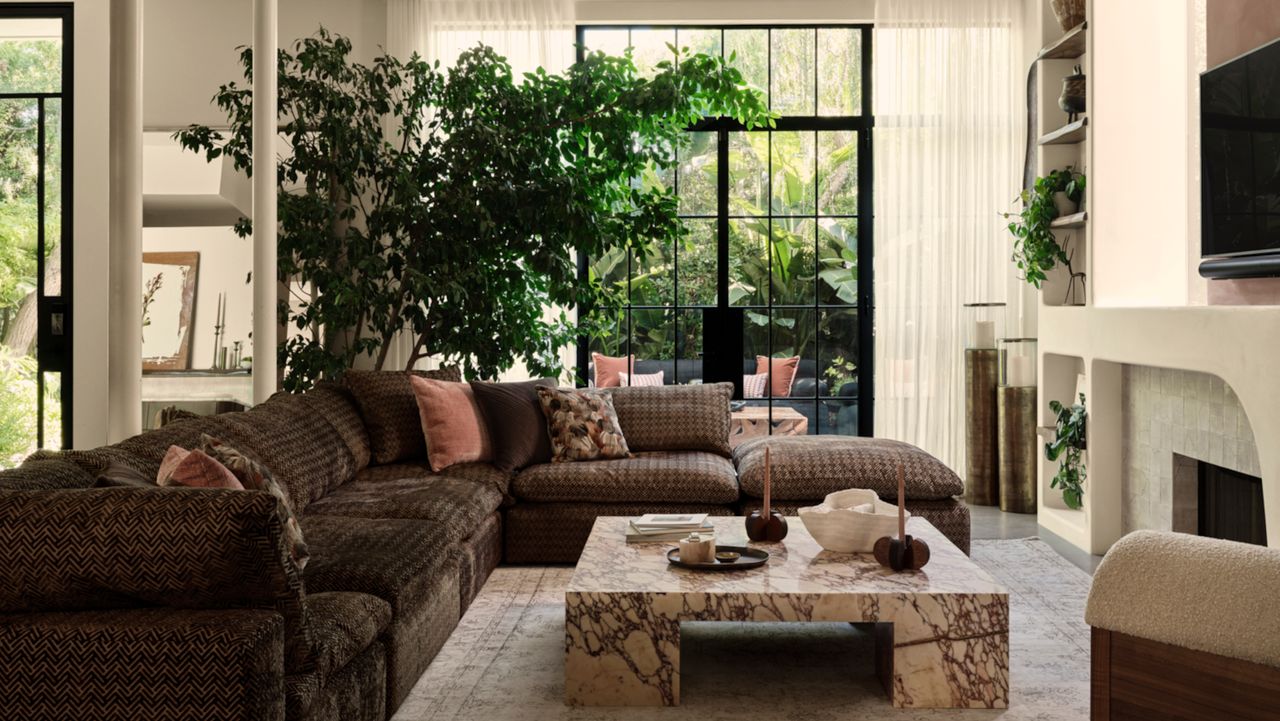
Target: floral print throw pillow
x=582, y=425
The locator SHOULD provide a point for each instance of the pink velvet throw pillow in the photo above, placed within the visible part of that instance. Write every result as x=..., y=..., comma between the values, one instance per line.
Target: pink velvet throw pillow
x=608, y=368
x=194, y=469
x=782, y=371
x=452, y=423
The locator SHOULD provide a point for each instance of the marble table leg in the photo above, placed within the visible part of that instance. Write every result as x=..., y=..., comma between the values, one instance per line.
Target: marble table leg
x=619, y=652
x=948, y=668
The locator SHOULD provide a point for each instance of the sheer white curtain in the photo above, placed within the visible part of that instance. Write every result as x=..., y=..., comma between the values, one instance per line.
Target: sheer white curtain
x=529, y=33
x=949, y=135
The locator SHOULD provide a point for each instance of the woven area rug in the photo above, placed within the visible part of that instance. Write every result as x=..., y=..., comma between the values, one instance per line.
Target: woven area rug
x=505, y=660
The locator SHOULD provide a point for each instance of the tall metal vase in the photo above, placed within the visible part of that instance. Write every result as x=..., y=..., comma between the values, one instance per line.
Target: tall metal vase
x=981, y=375
x=1018, y=446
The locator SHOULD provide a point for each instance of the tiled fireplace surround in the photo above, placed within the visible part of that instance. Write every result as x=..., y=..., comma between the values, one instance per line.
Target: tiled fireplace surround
x=1172, y=420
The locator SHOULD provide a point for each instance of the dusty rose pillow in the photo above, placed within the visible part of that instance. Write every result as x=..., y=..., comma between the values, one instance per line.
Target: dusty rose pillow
x=782, y=371
x=608, y=368
x=452, y=424
x=194, y=469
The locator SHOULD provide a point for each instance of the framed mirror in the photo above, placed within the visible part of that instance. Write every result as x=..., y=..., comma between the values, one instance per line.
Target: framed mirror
x=168, y=307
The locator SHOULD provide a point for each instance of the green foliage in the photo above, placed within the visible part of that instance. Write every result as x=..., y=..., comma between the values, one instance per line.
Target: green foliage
x=17, y=407
x=458, y=225
x=1067, y=445
x=1035, y=249
x=840, y=371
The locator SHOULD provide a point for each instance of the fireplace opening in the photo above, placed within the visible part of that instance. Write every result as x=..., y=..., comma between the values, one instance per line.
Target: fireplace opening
x=1230, y=505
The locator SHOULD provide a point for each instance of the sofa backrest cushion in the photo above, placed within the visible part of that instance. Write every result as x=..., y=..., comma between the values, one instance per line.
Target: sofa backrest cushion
x=390, y=412
x=107, y=548
x=46, y=473
x=334, y=401
x=675, y=418
x=298, y=446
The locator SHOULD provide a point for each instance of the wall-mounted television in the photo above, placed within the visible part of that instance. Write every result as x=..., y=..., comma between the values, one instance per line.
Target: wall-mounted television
x=1240, y=166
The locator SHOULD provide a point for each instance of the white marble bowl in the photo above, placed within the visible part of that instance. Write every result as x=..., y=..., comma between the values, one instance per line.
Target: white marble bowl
x=850, y=521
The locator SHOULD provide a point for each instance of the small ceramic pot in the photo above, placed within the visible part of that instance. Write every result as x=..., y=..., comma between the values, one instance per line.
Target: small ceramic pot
x=1064, y=204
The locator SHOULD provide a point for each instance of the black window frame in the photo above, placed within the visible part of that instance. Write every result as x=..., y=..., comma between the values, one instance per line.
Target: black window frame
x=54, y=328
x=863, y=124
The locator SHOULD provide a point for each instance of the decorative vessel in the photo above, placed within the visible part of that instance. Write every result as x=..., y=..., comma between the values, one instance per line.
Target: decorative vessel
x=903, y=553
x=1074, y=94
x=766, y=524
x=850, y=521
x=1069, y=13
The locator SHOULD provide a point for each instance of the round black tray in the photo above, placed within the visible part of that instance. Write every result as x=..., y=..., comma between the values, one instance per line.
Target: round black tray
x=749, y=558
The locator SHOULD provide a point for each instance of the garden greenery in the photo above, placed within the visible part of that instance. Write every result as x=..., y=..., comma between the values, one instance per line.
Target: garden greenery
x=1068, y=445
x=448, y=204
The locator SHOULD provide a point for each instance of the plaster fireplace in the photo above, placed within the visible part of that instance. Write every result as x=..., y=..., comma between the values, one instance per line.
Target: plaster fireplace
x=1186, y=435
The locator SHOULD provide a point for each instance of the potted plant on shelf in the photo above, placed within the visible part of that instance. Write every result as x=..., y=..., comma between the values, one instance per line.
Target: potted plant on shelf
x=1036, y=250
x=1069, y=446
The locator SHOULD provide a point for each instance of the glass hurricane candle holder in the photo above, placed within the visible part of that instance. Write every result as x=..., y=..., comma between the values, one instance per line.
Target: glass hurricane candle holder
x=984, y=323
x=1018, y=362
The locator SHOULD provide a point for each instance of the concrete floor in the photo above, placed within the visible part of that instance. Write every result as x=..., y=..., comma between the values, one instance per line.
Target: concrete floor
x=989, y=522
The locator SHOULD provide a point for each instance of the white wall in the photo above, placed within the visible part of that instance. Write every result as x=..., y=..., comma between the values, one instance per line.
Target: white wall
x=91, y=167
x=1140, y=128
x=190, y=48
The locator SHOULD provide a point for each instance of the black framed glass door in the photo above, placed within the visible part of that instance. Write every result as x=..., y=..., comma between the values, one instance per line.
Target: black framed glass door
x=774, y=275
x=35, y=228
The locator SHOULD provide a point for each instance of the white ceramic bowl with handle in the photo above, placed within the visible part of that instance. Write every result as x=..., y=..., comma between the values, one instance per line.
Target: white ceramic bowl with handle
x=850, y=521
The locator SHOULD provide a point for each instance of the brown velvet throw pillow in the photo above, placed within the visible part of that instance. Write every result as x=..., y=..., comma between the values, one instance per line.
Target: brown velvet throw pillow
x=516, y=424
x=390, y=411
x=582, y=424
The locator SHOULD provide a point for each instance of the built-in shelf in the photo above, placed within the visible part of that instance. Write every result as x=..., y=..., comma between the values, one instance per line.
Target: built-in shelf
x=1068, y=46
x=1075, y=220
x=1067, y=134
x=1047, y=432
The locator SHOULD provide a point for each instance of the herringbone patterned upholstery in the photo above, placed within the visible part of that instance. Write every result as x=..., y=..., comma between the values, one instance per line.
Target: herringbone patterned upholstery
x=477, y=556
x=675, y=418
x=556, y=532
x=335, y=402
x=357, y=692
x=124, y=547
x=407, y=563
x=950, y=516
x=454, y=504
x=390, y=412
x=156, y=664
x=46, y=474
x=300, y=448
x=653, y=477
x=342, y=625
x=807, y=468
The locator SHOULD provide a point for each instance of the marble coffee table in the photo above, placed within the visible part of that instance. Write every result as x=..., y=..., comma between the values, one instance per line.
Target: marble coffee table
x=942, y=634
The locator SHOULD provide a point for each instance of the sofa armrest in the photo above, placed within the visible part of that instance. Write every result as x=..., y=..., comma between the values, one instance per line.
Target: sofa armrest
x=80, y=550
x=152, y=663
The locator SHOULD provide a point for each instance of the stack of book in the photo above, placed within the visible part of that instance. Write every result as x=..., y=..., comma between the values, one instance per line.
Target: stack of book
x=667, y=527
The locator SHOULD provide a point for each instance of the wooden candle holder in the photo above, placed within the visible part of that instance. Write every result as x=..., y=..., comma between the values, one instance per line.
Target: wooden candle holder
x=766, y=524
x=904, y=552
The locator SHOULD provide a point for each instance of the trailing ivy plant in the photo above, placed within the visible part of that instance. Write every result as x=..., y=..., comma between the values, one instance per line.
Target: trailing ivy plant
x=448, y=205
x=1035, y=249
x=1067, y=445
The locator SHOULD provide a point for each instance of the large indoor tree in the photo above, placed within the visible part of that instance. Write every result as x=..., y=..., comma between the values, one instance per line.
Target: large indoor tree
x=449, y=204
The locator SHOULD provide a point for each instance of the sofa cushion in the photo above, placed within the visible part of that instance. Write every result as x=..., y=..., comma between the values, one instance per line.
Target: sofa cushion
x=807, y=468
x=452, y=423
x=334, y=401
x=409, y=564
x=303, y=451
x=655, y=476
x=455, y=501
x=515, y=421
x=194, y=469
x=675, y=418
x=343, y=624
x=582, y=425
x=390, y=413
x=46, y=474
x=556, y=532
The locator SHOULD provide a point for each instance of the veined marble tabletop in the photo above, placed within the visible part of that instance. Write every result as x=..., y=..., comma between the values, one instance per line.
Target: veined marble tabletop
x=941, y=632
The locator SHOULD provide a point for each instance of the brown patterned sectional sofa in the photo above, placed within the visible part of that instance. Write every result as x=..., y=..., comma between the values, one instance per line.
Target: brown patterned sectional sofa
x=160, y=603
